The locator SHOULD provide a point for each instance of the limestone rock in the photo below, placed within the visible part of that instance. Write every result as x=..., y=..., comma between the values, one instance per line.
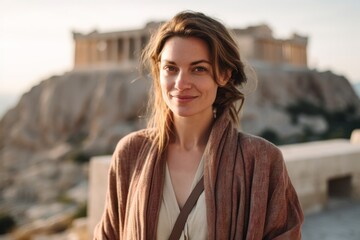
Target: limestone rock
x=79, y=193
x=279, y=88
x=58, y=222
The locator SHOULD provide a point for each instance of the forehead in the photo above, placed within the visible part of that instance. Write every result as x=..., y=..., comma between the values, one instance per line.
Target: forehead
x=185, y=49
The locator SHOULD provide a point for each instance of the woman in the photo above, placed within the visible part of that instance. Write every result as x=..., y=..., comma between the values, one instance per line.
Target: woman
x=197, y=71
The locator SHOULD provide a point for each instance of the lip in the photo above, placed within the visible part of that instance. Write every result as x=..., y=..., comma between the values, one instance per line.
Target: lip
x=183, y=98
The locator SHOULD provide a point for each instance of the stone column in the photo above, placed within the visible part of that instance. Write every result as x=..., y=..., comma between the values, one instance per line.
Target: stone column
x=114, y=50
x=303, y=61
x=93, y=52
x=298, y=56
x=278, y=52
x=78, y=53
x=292, y=54
x=138, y=46
x=98, y=182
x=109, y=51
x=355, y=137
x=305, y=56
x=270, y=46
x=81, y=53
x=101, y=48
x=126, y=49
x=132, y=48
x=271, y=51
x=287, y=53
x=295, y=55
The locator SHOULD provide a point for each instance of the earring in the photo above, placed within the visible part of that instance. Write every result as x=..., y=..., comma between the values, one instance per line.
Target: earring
x=214, y=112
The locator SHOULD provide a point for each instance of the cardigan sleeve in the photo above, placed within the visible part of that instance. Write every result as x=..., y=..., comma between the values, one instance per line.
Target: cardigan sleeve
x=122, y=166
x=284, y=215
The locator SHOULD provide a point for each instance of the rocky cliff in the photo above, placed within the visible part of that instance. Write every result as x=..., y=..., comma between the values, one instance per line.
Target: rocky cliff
x=292, y=105
x=54, y=129
x=60, y=123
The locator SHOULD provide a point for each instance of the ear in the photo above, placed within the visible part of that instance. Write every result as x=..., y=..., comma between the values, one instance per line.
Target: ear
x=224, y=78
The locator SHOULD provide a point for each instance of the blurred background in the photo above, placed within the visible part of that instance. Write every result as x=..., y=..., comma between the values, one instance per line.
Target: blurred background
x=70, y=88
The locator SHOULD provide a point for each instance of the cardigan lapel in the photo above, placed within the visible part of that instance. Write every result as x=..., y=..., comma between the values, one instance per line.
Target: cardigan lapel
x=224, y=181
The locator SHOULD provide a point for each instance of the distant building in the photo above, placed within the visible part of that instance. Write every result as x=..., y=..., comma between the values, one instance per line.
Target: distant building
x=122, y=48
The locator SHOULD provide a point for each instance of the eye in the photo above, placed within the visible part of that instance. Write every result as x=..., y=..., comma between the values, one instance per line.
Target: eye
x=200, y=69
x=170, y=69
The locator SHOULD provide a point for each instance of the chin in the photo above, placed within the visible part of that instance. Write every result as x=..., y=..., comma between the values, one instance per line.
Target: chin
x=188, y=114
x=182, y=114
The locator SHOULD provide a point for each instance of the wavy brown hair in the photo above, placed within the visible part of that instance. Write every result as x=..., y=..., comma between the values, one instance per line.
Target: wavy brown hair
x=225, y=58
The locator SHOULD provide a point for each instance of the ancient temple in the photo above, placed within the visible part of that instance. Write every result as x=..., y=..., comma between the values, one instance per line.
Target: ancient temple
x=123, y=48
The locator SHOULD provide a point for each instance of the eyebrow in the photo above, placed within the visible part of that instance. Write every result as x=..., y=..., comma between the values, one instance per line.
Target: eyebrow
x=192, y=63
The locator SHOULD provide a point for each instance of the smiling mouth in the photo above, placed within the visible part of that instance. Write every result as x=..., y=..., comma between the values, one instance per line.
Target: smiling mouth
x=183, y=98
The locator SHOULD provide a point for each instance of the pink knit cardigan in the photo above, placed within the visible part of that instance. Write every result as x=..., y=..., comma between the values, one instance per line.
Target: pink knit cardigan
x=247, y=189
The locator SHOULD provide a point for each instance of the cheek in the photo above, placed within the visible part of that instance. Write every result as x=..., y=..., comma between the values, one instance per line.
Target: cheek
x=164, y=88
x=211, y=87
x=165, y=84
x=215, y=92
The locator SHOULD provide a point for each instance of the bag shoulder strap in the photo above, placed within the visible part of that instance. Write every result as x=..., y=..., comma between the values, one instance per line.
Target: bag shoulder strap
x=185, y=211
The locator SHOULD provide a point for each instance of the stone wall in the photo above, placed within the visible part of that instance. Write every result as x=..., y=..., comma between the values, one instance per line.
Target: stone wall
x=316, y=168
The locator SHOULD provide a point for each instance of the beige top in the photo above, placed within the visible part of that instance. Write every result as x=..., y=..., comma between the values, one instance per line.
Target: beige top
x=196, y=225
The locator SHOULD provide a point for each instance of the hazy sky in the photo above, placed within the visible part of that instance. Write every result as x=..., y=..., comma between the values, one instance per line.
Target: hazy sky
x=36, y=40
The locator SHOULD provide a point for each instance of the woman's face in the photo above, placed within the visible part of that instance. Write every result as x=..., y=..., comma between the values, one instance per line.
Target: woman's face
x=186, y=77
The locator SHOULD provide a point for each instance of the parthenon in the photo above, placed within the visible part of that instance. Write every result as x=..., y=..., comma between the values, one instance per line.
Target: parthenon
x=123, y=48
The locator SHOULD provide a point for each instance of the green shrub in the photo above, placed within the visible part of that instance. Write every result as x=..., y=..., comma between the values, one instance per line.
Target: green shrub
x=271, y=136
x=63, y=198
x=81, y=211
x=7, y=223
x=80, y=157
x=340, y=123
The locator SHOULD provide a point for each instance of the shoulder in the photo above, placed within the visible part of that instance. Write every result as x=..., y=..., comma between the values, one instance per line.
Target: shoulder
x=262, y=159
x=129, y=147
x=256, y=142
x=259, y=147
x=128, y=150
x=132, y=143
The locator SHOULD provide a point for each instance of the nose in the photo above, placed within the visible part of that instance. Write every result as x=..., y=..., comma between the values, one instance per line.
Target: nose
x=182, y=81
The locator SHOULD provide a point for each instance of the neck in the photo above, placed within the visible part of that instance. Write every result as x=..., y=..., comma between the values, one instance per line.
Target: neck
x=192, y=133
